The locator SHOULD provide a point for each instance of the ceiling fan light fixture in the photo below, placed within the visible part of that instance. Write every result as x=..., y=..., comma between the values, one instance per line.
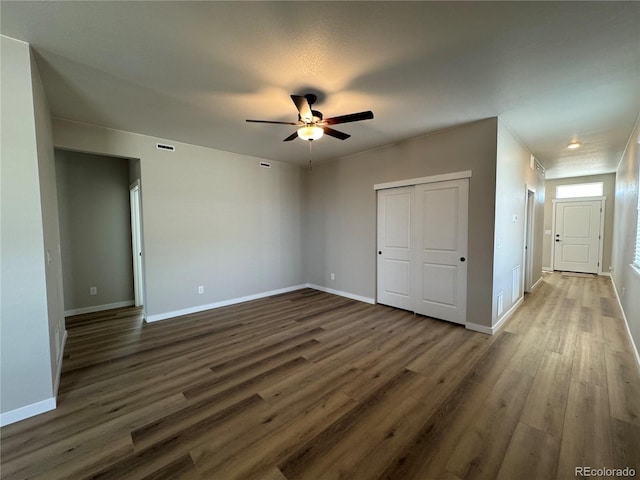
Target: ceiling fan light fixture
x=310, y=132
x=573, y=145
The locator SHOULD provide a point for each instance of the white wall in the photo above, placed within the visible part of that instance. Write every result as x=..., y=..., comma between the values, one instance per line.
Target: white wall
x=31, y=302
x=609, y=183
x=513, y=174
x=210, y=218
x=50, y=224
x=340, y=229
x=625, y=278
x=95, y=230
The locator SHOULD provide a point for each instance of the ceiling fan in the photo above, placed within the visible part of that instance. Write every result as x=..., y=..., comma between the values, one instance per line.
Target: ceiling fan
x=311, y=123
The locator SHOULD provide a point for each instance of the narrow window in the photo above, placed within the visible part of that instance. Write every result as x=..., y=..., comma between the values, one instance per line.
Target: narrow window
x=578, y=190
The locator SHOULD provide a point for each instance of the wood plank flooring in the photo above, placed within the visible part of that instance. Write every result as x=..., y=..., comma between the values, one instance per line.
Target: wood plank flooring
x=307, y=385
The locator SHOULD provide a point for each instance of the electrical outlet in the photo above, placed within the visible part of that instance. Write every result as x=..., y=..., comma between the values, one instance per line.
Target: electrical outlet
x=93, y=290
x=333, y=276
x=201, y=289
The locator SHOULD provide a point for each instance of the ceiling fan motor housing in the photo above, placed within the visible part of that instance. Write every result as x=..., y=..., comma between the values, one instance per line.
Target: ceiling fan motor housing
x=317, y=116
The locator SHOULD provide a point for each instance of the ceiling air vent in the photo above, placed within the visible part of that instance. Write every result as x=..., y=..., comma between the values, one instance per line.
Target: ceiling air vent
x=265, y=165
x=165, y=147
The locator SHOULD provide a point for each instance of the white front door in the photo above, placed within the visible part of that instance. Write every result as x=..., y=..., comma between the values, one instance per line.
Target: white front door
x=440, y=238
x=394, y=247
x=422, y=248
x=577, y=236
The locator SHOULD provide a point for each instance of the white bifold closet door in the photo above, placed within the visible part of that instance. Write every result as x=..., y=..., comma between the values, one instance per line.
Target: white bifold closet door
x=422, y=248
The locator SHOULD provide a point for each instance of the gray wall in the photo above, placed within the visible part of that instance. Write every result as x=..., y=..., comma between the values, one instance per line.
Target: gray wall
x=609, y=181
x=512, y=176
x=95, y=229
x=340, y=229
x=210, y=218
x=625, y=278
x=31, y=305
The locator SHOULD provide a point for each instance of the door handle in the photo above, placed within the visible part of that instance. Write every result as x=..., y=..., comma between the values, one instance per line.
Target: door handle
x=558, y=240
x=379, y=252
x=462, y=259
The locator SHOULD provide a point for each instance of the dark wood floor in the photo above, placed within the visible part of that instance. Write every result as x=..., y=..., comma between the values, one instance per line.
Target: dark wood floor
x=307, y=385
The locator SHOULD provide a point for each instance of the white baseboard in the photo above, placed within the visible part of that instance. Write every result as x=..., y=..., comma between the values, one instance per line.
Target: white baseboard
x=98, y=308
x=499, y=324
x=547, y=269
x=478, y=328
x=223, y=303
x=626, y=324
x=605, y=274
x=27, y=411
x=536, y=285
x=352, y=296
x=59, y=370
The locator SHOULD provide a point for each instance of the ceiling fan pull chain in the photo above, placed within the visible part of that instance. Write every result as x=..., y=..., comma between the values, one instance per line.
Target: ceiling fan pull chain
x=310, y=155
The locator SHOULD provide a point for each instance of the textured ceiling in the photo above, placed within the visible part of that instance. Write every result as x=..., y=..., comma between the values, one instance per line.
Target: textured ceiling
x=193, y=72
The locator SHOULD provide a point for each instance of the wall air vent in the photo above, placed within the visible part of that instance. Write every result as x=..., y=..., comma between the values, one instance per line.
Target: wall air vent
x=265, y=165
x=165, y=147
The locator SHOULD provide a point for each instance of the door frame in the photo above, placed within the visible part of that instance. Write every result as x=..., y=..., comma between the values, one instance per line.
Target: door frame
x=135, y=203
x=555, y=201
x=529, y=237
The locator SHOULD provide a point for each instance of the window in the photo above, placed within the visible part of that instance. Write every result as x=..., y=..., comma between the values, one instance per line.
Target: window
x=580, y=190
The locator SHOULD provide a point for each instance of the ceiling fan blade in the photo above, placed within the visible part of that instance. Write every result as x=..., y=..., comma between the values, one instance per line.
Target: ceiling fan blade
x=269, y=121
x=293, y=136
x=335, y=133
x=302, y=104
x=352, y=117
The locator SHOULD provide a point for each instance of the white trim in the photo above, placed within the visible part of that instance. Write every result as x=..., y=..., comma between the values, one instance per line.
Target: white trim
x=527, y=250
x=499, y=324
x=635, y=269
x=27, y=411
x=417, y=181
x=577, y=199
x=98, y=308
x=352, y=296
x=479, y=328
x=59, y=369
x=603, y=209
x=536, y=285
x=547, y=269
x=604, y=274
x=626, y=323
x=223, y=303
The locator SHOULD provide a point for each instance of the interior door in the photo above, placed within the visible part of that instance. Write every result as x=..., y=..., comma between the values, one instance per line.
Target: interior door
x=394, y=247
x=440, y=239
x=577, y=236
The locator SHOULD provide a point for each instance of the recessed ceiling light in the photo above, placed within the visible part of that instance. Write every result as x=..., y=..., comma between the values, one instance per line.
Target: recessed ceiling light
x=574, y=145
